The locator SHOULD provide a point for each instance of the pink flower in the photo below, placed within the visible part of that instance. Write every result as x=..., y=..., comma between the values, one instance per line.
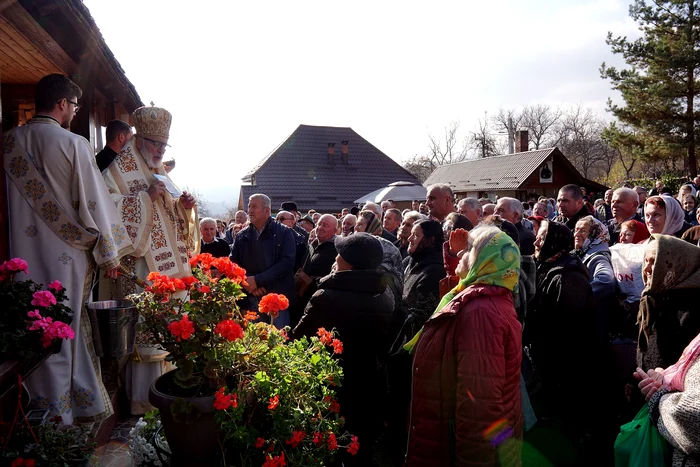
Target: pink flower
x=56, y=285
x=43, y=298
x=43, y=323
x=34, y=314
x=17, y=265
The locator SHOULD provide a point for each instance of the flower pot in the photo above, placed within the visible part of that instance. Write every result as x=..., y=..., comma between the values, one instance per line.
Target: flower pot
x=193, y=444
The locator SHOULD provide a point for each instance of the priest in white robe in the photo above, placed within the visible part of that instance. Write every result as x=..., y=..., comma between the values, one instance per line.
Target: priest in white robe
x=64, y=224
x=162, y=225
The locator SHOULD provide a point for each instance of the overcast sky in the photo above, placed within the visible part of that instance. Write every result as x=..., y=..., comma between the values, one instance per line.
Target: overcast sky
x=239, y=77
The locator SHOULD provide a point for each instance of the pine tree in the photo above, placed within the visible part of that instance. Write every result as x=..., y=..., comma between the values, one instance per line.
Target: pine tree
x=660, y=85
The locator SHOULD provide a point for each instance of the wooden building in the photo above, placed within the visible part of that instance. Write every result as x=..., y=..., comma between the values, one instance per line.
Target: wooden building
x=518, y=175
x=39, y=37
x=307, y=169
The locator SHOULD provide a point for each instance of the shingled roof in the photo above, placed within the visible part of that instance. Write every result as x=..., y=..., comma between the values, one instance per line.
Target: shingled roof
x=298, y=170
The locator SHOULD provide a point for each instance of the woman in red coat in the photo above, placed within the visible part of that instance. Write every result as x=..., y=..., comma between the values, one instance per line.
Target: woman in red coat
x=465, y=403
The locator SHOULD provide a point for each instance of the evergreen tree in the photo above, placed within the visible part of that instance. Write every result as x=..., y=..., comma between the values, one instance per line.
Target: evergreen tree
x=660, y=85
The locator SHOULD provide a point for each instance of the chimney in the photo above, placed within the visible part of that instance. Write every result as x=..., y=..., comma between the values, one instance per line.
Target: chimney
x=344, y=152
x=331, y=153
x=521, y=142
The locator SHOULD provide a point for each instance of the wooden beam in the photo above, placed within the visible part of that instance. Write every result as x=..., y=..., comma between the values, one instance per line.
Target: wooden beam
x=21, y=20
x=28, y=48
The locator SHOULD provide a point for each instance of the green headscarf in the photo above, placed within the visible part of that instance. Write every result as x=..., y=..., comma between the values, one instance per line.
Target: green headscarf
x=498, y=263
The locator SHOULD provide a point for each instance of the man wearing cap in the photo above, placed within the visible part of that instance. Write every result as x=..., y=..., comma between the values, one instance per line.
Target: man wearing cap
x=63, y=223
x=292, y=207
x=307, y=223
x=160, y=221
x=352, y=301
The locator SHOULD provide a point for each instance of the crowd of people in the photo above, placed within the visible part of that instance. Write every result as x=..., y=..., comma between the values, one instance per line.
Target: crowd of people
x=475, y=331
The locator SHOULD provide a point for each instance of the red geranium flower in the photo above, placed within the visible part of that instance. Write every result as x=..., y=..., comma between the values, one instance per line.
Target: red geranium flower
x=23, y=462
x=259, y=443
x=337, y=346
x=274, y=402
x=229, y=329
x=273, y=303
x=277, y=461
x=234, y=272
x=224, y=401
x=324, y=336
x=354, y=445
x=182, y=329
x=331, y=441
x=318, y=438
x=297, y=437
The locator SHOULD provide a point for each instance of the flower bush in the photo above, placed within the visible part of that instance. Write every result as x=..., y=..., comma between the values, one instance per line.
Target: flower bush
x=141, y=448
x=274, y=399
x=33, y=318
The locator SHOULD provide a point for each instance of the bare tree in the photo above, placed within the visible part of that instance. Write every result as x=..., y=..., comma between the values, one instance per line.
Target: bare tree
x=446, y=149
x=482, y=141
x=580, y=139
x=203, y=209
x=420, y=166
x=541, y=121
x=508, y=121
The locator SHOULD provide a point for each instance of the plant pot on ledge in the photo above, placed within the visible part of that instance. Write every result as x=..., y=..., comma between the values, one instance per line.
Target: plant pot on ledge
x=192, y=434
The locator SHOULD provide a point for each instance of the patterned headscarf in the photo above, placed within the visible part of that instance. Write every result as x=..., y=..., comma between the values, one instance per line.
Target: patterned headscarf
x=676, y=267
x=558, y=241
x=597, y=234
x=374, y=226
x=498, y=263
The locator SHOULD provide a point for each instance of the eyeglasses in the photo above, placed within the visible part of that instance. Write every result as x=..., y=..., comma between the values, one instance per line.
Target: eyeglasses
x=156, y=144
x=77, y=106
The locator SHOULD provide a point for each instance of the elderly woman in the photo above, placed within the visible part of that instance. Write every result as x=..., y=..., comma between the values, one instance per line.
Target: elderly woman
x=673, y=395
x=560, y=331
x=591, y=239
x=465, y=404
x=424, y=269
x=668, y=311
x=664, y=215
x=633, y=231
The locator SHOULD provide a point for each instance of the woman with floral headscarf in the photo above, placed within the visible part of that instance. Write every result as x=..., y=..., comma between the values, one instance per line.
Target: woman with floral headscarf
x=591, y=240
x=668, y=315
x=560, y=331
x=465, y=405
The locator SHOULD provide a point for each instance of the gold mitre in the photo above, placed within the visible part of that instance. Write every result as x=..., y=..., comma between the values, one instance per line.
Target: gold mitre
x=152, y=121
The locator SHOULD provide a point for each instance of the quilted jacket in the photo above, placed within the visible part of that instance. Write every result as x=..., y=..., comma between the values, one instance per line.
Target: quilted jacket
x=466, y=379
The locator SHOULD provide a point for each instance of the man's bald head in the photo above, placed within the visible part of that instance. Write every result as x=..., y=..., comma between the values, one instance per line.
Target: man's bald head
x=286, y=218
x=326, y=227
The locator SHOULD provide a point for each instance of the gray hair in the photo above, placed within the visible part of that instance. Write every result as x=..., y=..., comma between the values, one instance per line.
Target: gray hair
x=264, y=199
x=444, y=188
x=515, y=205
x=206, y=220
x=628, y=192
x=374, y=207
x=473, y=204
x=415, y=215
x=348, y=216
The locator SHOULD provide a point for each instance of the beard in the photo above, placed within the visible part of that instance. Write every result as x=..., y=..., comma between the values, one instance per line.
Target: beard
x=154, y=160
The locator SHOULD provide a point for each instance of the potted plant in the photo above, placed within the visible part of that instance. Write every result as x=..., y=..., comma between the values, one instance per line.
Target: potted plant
x=50, y=444
x=34, y=319
x=254, y=397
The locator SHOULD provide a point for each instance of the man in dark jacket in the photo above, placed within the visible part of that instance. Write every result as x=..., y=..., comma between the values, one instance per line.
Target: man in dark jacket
x=266, y=250
x=511, y=210
x=352, y=301
x=217, y=247
x=117, y=134
x=292, y=208
x=302, y=243
x=571, y=207
x=625, y=202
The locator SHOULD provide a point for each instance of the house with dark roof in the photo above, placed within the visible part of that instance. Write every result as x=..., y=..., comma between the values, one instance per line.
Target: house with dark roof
x=516, y=175
x=322, y=168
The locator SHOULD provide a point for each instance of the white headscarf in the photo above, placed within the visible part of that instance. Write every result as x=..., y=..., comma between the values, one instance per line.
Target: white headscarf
x=675, y=216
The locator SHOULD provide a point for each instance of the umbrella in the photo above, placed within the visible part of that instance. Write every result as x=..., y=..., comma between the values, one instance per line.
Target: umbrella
x=398, y=191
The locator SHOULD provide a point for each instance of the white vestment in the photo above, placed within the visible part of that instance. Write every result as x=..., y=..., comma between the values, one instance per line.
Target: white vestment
x=63, y=223
x=164, y=235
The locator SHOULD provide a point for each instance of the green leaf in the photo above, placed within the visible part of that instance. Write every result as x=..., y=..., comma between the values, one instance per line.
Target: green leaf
x=184, y=412
x=315, y=358
x=185, y=368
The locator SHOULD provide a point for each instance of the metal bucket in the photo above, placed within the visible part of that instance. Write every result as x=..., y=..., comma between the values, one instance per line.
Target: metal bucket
x=113, y=325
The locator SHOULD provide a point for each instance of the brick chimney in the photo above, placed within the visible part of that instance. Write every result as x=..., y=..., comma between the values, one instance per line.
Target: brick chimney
x=331, y=153
x=521, y=142
x=344, y=152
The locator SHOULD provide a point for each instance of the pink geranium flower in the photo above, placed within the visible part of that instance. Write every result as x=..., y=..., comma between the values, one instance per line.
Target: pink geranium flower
x=17, y=265
x=56, y=285
x=43, y=298
x=34, y=314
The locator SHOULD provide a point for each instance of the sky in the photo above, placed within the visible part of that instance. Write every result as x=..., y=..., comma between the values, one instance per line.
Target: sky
x=239, y=77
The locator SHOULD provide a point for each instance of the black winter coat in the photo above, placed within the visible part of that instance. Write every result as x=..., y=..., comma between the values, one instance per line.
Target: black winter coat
x=354, y=304
x=421, y=284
